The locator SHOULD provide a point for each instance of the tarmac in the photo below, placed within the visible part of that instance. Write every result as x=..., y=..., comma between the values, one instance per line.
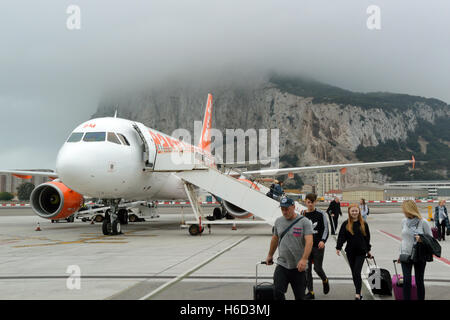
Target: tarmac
x=158, y=259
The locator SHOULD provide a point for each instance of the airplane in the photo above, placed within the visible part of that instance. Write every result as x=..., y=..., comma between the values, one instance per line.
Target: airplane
x=119, y=160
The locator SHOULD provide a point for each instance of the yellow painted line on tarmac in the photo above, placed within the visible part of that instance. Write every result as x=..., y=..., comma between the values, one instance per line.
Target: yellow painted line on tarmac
x=108, y=242
x=98, y=239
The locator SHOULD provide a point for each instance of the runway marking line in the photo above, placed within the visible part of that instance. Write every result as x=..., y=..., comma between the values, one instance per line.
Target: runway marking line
x=398, y=239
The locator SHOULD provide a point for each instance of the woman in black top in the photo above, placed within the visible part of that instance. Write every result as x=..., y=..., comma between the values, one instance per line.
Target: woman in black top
x=355, y=231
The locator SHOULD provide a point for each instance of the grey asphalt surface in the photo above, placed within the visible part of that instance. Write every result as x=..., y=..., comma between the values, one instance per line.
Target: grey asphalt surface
x=149, y=254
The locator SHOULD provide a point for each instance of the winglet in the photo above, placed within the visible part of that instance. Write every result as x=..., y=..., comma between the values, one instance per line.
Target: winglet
x=205, y=139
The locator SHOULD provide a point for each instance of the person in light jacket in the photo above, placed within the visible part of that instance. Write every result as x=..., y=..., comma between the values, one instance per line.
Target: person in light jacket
x=364, y=208
x=412, y=226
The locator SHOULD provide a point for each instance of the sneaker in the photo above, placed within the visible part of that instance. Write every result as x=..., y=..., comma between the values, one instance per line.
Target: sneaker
x=310, y=296
x=360, y=297
x=326, y=286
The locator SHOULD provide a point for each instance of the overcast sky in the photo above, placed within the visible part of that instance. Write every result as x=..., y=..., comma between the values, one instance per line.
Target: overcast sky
x=51, y=77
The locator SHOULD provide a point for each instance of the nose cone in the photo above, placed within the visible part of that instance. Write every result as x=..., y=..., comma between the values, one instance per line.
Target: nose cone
x=92, y=169
x=74, y=165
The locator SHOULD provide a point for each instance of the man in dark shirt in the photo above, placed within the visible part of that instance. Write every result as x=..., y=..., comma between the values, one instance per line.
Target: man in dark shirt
x=320, y=236
x=334, y=211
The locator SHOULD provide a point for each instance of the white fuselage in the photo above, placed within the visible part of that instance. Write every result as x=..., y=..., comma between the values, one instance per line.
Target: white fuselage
x=94, y=164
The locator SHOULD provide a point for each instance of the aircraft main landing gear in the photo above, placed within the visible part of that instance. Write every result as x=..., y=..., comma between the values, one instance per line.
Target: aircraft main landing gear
x=195, y=230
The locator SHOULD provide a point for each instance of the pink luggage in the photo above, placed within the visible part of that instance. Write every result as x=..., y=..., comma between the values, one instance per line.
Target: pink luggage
x=397, y=285
x=435, y=232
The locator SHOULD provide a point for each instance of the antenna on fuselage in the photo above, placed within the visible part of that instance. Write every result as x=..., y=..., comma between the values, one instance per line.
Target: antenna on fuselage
x=115, y=114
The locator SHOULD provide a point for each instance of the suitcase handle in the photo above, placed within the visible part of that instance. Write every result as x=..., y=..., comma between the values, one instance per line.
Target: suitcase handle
x=374, y=261
x=395, y=268
x=396, y=273
x=259, y=263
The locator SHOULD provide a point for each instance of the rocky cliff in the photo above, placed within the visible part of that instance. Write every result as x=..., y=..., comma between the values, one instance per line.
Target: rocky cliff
x=319, y=124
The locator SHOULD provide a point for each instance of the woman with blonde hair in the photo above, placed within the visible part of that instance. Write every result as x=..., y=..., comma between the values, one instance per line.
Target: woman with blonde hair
x=355, y=231
x=412, y=226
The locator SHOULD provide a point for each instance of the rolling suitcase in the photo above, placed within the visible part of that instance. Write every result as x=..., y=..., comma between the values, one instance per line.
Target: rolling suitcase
x=385, y=280
x=397, y=285
x=263, y=290
x=435, y=232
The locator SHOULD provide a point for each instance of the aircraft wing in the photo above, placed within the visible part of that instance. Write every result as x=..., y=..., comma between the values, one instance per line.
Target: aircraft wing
x=275, y=172
x=27, y=174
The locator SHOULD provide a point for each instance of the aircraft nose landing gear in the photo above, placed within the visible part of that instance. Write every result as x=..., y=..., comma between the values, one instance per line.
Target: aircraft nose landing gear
x=114, y=227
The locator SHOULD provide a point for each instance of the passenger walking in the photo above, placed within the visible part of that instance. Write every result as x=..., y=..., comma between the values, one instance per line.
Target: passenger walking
x=292, y=235
x=276, y=191
x=334, y=211
x=364, y=208
x=441, y=219
x=320, y=235
x=355, y=232
x=412, y=226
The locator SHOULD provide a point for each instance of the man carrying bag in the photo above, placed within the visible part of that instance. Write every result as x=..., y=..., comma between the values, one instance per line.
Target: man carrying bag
x=293, y=236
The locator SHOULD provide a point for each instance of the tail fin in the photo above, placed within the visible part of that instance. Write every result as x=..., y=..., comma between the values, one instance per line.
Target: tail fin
x=205, y=139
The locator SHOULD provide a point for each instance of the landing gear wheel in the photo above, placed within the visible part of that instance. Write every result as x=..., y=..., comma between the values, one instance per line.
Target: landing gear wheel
x=194, y=230
x=106, y=227
x=116, y=227
x=217, y=214
x=99, y=218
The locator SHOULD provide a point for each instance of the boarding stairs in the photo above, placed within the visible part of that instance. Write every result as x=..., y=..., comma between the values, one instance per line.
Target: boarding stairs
x=232, y=190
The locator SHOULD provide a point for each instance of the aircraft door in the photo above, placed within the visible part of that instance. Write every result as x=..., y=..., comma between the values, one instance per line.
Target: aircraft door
x=148, y=145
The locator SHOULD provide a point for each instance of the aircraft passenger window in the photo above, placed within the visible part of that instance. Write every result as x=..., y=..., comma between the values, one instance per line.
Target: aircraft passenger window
x=113, y=138
x=94, y=136
x=123, y=139
x=75, y=137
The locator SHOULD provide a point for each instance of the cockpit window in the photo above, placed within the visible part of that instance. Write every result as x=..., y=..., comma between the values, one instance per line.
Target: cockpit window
x=94, y=136
x=75, y=137
x=123, y=139
x=113, y=138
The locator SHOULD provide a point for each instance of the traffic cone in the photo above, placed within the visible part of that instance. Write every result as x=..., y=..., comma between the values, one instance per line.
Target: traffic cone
x=234, y=227
x=38, y=228
x=92, y=221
